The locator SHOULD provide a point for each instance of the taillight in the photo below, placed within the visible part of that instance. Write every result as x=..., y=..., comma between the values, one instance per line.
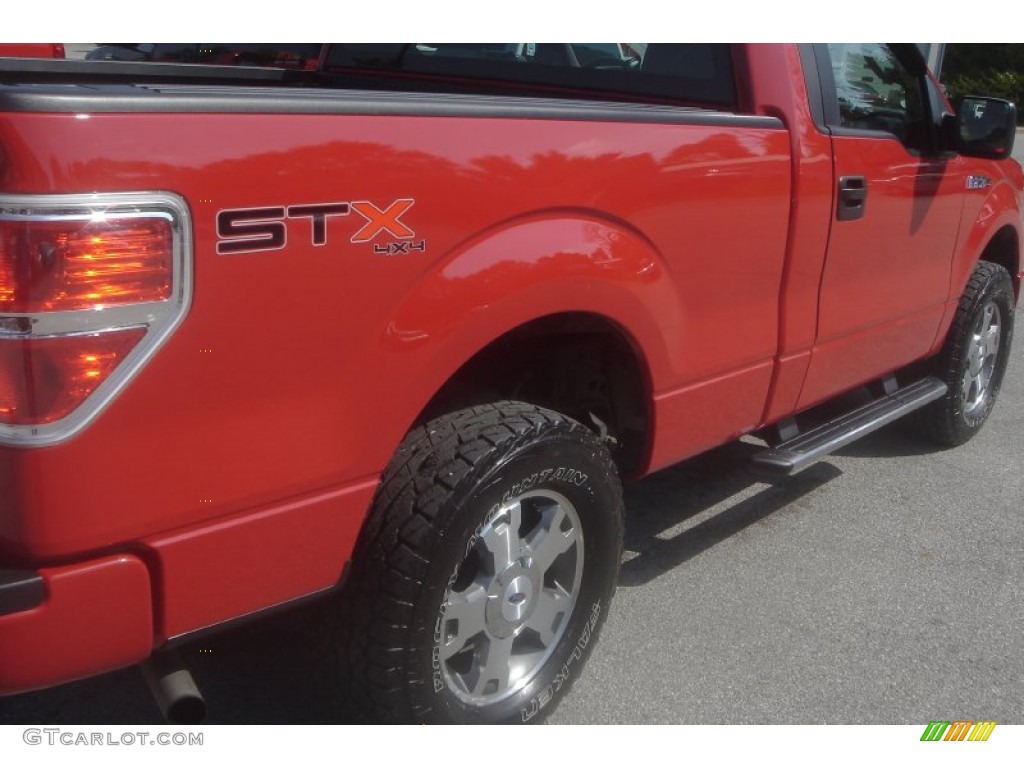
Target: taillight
x=43, y=380
x=90, y=286
x=66, y=265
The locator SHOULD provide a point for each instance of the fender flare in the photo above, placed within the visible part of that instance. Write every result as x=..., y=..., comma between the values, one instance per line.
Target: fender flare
x=1001, y=210
x=527, y=268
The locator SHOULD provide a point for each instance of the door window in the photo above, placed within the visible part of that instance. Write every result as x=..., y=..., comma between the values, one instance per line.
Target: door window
x=876, y=92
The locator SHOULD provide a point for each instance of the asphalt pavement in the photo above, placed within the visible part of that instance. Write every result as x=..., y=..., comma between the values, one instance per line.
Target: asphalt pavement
x=883, y=585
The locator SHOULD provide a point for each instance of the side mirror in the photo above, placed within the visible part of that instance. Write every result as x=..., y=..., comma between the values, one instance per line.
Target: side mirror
x=985, y=127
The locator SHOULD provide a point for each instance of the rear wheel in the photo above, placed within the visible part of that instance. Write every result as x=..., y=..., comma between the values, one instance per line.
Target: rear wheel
x=974, y=358
x=485, y=570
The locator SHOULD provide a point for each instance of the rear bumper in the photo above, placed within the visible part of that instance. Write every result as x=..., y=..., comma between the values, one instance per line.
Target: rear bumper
x=83, y=619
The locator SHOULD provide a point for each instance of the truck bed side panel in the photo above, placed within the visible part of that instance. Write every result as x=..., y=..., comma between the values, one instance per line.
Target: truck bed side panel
x=299, y=369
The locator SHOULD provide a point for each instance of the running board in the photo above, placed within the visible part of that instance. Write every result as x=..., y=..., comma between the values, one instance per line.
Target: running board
x=798, y=453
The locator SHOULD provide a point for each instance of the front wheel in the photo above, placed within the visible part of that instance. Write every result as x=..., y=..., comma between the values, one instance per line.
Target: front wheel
x=485, y=570
x=974, y=358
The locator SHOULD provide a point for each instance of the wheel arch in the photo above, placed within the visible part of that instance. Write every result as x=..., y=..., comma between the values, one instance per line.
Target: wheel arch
x=1004, y=249
x=580, y=364
x=583, y=299
x=994, y=236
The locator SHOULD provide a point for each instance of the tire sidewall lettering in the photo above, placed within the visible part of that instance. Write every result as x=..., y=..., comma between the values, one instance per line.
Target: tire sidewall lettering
x=538, y=702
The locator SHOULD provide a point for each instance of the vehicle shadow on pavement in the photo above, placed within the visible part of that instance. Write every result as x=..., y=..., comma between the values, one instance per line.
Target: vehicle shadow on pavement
x=894, y=441
x=118, y=697
x=276, y=670
x=678, y=513
x=270, y=671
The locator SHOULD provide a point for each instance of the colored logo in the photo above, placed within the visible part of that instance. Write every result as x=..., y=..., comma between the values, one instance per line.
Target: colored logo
x=248, y=230
x=959, y=730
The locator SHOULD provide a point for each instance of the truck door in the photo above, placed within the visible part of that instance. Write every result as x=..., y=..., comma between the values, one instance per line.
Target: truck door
x=895, y=216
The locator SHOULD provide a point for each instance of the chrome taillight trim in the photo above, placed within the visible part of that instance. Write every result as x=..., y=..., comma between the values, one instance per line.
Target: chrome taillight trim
x=160, y=318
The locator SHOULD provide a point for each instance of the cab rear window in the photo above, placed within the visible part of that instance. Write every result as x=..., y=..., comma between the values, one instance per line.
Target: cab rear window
x=303, y=56
x=675, y=72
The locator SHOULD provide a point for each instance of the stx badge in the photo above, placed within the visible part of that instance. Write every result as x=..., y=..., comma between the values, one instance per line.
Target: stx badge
x=248, y=230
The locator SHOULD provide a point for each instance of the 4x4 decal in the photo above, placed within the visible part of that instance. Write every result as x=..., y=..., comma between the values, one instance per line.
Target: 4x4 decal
x=249, y=230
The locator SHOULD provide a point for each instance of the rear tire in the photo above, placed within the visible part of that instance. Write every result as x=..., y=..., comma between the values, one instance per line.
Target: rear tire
x=974, y=358
x=485, y=569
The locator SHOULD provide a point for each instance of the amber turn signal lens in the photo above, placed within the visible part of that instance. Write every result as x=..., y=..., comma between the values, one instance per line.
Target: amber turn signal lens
x=60, y=265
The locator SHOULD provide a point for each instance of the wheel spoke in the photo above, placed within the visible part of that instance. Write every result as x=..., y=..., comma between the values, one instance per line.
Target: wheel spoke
x=980, y=385
x=548, y=540
x=466, y=609
x=967, y=388
x=501, y=538
x=986, y=317
x=551, y=606
x=495, y=667
x=990, y=339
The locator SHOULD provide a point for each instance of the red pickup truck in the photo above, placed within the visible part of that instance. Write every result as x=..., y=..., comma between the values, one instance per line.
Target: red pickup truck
x=394, y=328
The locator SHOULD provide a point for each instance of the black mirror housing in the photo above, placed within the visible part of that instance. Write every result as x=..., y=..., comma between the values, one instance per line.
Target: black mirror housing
x=985, y=127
